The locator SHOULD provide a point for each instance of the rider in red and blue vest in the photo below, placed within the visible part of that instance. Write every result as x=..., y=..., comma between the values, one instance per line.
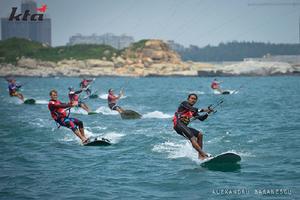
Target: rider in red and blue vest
x=60, y=116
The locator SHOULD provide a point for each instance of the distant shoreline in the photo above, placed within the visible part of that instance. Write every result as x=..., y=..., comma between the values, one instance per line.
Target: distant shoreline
x=160, y=76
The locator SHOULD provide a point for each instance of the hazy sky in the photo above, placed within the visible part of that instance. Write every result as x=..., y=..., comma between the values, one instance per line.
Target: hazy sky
x=198, y=22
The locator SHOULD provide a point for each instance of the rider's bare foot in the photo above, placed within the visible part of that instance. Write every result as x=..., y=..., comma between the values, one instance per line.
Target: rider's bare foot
x=85, y=141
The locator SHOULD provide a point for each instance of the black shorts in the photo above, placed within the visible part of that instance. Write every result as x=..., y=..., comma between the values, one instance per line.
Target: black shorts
x=185, y=131
x=80, y=104
x=113, y=106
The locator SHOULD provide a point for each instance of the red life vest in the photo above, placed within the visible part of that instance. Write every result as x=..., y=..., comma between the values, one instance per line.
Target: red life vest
x=111, y=98
x=214, y=85
x=56, y=113
x=73, y=97
x=85, y=83
x=184, y=117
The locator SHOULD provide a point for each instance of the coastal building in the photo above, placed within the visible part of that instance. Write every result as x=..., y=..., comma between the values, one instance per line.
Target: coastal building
x=35, y=30
x=118, y=42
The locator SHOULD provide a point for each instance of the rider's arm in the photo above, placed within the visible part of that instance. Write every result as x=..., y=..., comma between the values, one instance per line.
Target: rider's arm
x=62, y=105
x=78, y=92
x=113, y=97
x=201, y=117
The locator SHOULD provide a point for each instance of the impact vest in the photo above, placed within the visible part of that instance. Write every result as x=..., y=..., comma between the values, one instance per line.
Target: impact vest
x=56, y=113
x=184, y=116
x=74, y=97
x=214, y=85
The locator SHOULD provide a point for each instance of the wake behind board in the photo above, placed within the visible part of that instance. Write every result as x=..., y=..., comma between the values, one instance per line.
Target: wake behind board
x=29, y=101
x=222, y=162
x=130, y=114
x=98, y=142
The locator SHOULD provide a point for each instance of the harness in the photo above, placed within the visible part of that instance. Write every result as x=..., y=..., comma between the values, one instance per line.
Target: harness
x=184, y=116
x=58, y=114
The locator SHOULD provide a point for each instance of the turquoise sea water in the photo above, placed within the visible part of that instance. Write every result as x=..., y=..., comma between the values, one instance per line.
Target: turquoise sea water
x=148, y=160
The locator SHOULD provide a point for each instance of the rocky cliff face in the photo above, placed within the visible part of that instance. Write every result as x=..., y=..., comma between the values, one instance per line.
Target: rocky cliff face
x=152, y=52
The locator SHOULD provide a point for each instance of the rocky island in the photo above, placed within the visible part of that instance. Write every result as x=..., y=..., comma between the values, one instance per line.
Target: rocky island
x=19, y=57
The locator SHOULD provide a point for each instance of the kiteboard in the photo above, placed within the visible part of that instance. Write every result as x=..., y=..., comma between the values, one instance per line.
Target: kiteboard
x=92, y=113
x=98, y=142
x=224, y=92
x=29, y=101
x=130, y=114
x=227, y=158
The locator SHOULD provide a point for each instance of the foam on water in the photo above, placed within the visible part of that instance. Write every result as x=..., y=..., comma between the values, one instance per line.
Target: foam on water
x=15, y=100
x=114, y=137
x=185, y=150
x=196, y=92
x=38, y=122
x=177, y=150
x=105, y=95
x=100, y=128
x=78, y=111
x=106, y=111
x=41, y=101
x=157, y=114
x=241, y=153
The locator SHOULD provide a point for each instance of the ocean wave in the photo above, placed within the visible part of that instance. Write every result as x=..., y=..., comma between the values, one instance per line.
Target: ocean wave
x=157, y=114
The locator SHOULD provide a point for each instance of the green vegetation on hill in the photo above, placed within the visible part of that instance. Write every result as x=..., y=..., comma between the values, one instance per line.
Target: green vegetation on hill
x=237, y=51
x=14, y=48
x=138, y=45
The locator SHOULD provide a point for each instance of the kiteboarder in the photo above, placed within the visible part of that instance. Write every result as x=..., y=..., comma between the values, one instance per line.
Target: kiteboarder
x=13, y=88
x=182, y=117
x=60, y=116
x=74, y=99
x=112, y=100
x=85, y=84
